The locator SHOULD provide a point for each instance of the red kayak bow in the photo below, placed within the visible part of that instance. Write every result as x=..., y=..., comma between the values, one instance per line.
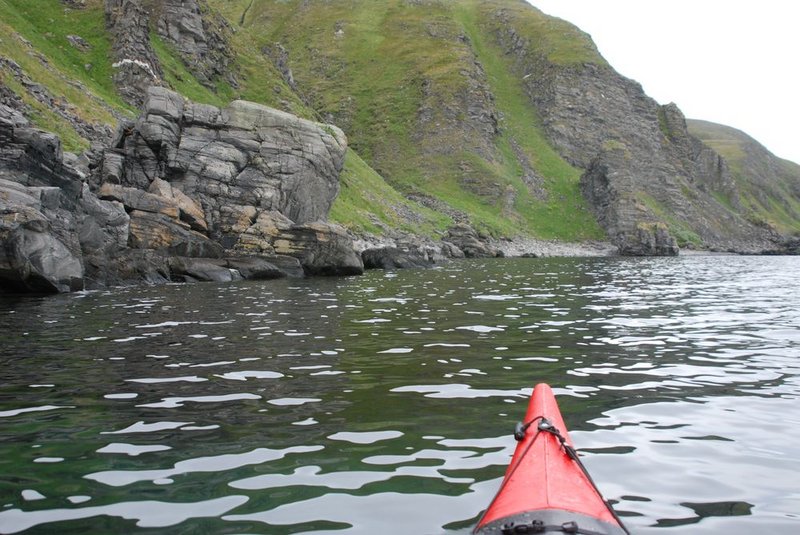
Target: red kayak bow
x=546, y=488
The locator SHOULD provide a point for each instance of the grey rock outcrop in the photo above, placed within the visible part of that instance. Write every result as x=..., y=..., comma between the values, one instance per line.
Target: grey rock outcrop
x=321, y=249
x=628, y=222
x=396, y=258
x=247, y=179
x=32, y=257
x=280, y=58
x=40, y=248
x=465, y=239
x=200, y=37
x=136, y=66
x=235, y=162
x=187, y=269
x=189, y=192
x=56, y=235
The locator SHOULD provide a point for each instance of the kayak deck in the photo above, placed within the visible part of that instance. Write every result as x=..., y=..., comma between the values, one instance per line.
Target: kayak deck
x=546, y=489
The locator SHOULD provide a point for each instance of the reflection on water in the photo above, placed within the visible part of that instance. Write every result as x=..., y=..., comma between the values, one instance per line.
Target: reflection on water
x=386, y=402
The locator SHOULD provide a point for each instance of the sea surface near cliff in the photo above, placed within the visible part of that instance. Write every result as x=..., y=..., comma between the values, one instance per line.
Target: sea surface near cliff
x=386, y=403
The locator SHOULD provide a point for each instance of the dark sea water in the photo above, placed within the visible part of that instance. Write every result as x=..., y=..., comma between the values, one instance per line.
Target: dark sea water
x=386, y=403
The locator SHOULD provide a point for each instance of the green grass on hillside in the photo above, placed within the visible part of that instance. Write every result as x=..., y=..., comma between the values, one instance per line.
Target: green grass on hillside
x=259, y=81
x=372, y=65
x=782, y=212
x=772, y=203
x=366, y=73
x=366, y=202
x=183, y=81
x=33, y=34
x=557, y=40
x=564, y=214
x=42, y=117
x=46, y=24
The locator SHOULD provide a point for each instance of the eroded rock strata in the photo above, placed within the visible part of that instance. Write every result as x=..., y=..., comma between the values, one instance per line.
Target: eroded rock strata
x=187, y=192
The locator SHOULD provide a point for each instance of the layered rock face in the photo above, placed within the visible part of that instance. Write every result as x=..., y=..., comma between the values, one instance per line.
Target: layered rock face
x=136, y=66
x=236, y=161
x=641, y=163
x=42, y=217
x=463, y=116
x=199, y=36
x=646, y=177
x=187, y=192
x=768, y=180
x=247, y=179
x=629, y=223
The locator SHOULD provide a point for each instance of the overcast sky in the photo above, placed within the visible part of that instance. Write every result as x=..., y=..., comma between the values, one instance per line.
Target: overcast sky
x=734, y=62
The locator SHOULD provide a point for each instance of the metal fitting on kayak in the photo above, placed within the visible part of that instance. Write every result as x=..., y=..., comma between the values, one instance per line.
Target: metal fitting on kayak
x=544, y=425
x=535, y=526
x=519, y=431
x=521, y=428
x=570, y=527
x=538, y=526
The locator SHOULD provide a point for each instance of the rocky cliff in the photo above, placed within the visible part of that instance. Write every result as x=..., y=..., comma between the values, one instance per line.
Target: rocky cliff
x=198, y=35
x=187, y=192
x=468, y=122
x=649, y=181
x=766, y=187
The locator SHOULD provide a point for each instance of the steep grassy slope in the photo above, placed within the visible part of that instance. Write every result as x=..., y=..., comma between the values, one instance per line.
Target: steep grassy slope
x=46, y=25
x=769, y=187
x=367, y=202
x=559, y=210
x=401, y=79
x=34, y=37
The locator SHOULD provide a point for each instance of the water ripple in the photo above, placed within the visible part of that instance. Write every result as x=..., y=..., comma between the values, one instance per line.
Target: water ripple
x=148, y=514
x=678, y=378
x=216, y=463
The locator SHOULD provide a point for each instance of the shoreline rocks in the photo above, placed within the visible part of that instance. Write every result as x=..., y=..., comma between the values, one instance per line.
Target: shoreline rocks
x=188, y=192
